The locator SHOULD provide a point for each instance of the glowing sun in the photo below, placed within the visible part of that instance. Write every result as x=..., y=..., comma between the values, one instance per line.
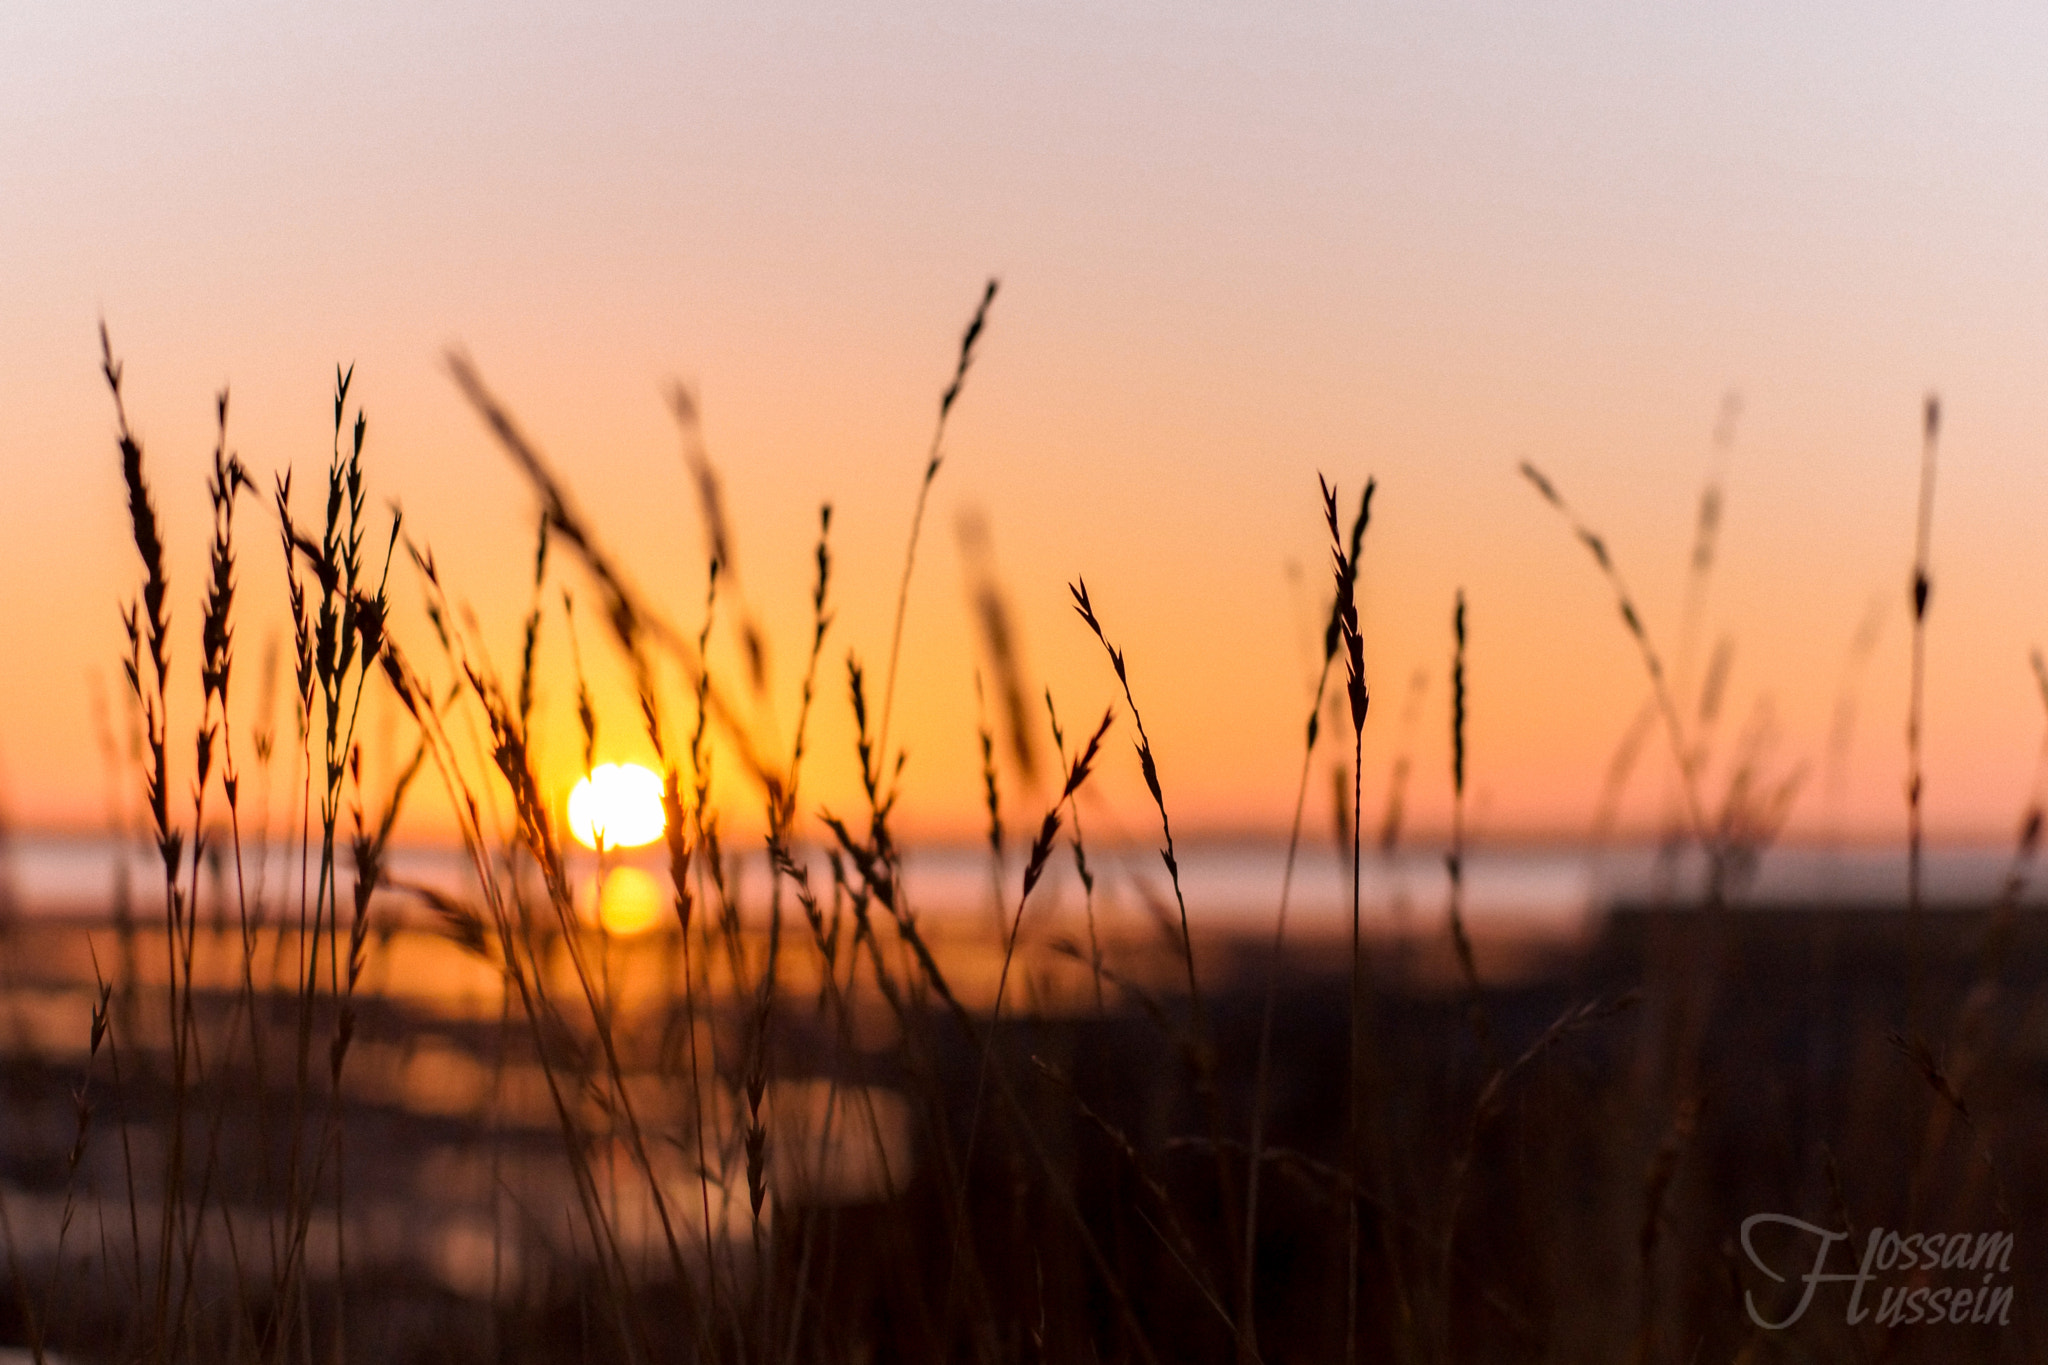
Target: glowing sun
x=617, y=806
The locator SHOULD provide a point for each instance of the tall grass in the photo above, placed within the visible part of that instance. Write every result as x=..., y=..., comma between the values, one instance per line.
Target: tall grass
x=804, y=1120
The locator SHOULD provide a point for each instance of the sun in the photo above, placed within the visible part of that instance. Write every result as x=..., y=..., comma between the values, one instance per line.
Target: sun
x=617, y=806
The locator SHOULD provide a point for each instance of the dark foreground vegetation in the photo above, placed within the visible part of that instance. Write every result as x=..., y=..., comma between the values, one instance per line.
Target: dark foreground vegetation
x=341, y=1117
x=1557, y=1169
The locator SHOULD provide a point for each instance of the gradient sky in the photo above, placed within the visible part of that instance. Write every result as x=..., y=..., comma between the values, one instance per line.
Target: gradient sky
x=1237, y=248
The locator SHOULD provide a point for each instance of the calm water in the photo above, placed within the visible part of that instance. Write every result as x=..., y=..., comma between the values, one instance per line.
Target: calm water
x=1226, y=884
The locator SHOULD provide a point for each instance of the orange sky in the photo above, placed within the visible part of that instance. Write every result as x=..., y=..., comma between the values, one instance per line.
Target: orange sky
x=1422, y=242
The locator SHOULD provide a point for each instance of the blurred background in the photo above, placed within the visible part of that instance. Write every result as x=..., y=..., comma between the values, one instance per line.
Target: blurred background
x=1419, y=242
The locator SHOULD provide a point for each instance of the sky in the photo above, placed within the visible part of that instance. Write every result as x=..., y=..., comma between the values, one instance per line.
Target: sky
x=1237, y=249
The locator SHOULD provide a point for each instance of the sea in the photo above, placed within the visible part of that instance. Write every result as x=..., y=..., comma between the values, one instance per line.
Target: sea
x=1226, y=885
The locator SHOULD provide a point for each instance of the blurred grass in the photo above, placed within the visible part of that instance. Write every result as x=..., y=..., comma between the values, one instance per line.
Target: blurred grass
x=344, y=1118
